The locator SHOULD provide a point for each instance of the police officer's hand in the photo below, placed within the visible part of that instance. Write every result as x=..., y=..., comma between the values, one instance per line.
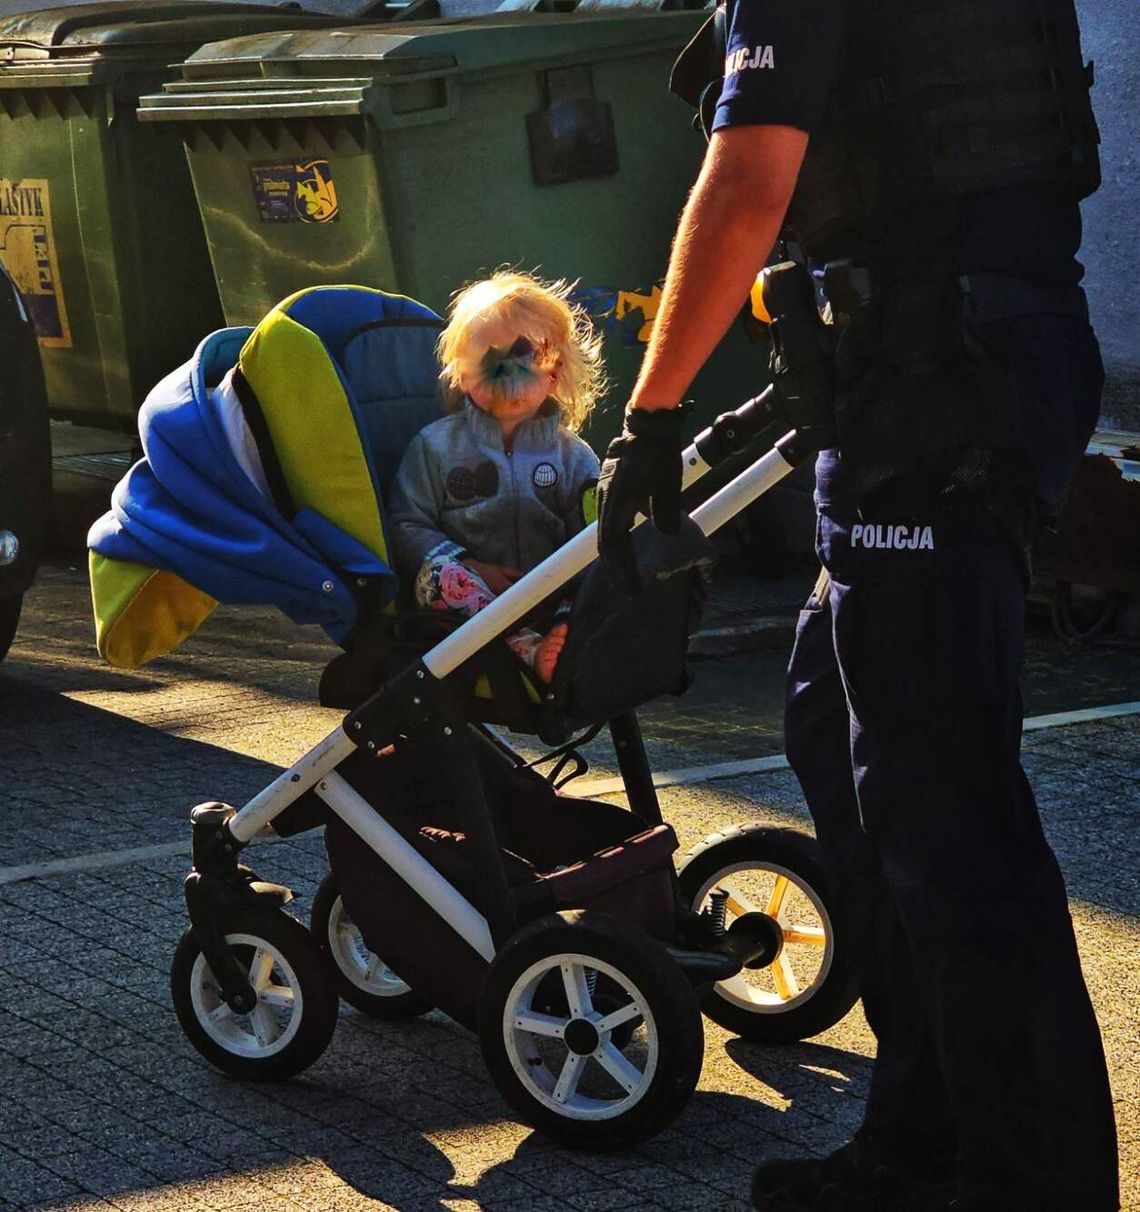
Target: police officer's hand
x=641, y=474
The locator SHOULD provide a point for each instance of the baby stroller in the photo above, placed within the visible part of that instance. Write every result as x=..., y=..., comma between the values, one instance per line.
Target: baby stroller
x=461, y=877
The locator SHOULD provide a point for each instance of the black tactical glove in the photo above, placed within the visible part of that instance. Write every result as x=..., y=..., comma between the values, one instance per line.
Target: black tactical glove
x=641, y=474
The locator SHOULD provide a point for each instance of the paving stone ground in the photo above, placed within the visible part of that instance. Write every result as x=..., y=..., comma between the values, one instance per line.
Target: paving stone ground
x=103, y=1103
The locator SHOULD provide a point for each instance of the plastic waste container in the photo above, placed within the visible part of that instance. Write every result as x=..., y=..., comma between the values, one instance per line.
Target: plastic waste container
x=98, y=223
x=412, y=157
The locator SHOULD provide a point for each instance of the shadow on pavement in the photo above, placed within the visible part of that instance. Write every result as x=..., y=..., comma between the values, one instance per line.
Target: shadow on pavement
x=80, y=779
x=811, y=1075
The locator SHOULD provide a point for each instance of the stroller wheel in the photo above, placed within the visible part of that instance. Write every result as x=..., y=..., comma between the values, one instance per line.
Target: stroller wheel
x=553, y=1024
x=808, y=986
x=362, y=977
x=296, y=1010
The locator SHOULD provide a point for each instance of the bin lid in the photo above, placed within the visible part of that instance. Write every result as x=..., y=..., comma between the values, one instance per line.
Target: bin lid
x=138, y=26
x=300, y=59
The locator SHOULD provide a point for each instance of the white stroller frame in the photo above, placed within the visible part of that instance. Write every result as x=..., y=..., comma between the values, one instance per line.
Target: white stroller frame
x=502, y=956
x=317, y=769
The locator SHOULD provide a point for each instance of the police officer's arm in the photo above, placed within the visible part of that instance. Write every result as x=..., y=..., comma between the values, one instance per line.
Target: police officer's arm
x=780, y=58
x=728, y=228
x=730, y=223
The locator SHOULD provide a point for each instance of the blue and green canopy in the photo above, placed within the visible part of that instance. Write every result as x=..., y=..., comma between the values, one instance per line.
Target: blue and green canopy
x=266, y=458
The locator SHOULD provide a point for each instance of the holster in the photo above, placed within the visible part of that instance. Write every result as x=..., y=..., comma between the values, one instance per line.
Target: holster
x=698, y=71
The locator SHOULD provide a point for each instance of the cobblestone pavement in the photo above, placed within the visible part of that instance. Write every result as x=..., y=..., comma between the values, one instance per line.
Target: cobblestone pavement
x=103, y=1103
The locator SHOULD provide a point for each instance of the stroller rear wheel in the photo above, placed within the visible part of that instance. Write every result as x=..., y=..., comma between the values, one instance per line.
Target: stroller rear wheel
x=808, y=987
x=568, y=1062
x=296, y=1010
x=363, y=979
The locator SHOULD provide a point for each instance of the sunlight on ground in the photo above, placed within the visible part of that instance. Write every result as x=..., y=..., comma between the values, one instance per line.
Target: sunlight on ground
x=248, y=721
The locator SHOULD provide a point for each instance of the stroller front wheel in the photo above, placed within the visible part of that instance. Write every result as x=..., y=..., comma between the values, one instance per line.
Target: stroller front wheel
x=296, y=1009
x=555, y=1019
x=808, y=987
x=363, y=979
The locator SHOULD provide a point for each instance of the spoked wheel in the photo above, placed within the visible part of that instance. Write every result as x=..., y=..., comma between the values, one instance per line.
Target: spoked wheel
x=808, y=986
x=363, y=979
x=296, y=1010
x=554, y=1024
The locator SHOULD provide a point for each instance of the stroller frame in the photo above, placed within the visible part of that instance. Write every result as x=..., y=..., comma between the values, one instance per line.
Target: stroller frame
x=418, y=692
x=592, y=937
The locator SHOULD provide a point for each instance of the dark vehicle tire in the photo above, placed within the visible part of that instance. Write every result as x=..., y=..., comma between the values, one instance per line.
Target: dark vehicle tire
x=296, y=998
x=808, y=987
x=25, y=456
x=362, y=977
x=9, y=621
x=574, y=1074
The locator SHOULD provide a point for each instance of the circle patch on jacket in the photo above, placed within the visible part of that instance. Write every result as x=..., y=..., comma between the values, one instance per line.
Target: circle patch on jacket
x=463, y=484
x=545, y=475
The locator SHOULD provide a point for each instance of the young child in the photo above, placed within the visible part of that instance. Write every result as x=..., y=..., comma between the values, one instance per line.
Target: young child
x=490, y=490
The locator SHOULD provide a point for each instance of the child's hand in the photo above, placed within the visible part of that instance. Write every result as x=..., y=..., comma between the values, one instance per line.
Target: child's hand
x=497, y=577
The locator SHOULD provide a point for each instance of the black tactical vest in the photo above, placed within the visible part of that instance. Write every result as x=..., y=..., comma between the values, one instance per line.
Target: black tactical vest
x=937, y=105
x=938, y=98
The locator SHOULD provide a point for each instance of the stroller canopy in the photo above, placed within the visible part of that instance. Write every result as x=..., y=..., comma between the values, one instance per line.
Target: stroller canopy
x=267, y=456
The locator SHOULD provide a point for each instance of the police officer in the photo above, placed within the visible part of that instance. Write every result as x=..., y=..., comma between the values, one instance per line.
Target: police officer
x=927, y=157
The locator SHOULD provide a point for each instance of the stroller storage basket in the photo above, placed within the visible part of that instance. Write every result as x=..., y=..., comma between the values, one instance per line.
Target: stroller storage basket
x=630, y=877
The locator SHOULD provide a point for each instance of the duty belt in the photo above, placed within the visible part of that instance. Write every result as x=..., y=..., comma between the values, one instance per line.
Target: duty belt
x=991, y=297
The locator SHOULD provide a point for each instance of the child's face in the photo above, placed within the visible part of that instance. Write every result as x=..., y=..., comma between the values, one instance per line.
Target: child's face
x=505, y=375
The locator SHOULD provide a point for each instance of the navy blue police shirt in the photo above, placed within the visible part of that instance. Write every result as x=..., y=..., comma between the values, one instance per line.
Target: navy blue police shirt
x=780, y=62
x=783, y=60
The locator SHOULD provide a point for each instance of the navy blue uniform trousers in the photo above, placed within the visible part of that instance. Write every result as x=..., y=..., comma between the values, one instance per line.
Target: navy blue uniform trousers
x=903, y=726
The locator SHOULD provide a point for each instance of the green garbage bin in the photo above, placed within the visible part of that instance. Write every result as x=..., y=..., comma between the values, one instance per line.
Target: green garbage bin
x=98, y=223
x=413, y=157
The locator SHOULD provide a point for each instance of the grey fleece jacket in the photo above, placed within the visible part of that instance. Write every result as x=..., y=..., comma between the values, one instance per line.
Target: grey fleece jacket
x=458, y=491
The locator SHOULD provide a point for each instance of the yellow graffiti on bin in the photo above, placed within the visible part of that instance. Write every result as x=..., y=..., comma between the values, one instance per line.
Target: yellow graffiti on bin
x=27, y=248
x=630, y=301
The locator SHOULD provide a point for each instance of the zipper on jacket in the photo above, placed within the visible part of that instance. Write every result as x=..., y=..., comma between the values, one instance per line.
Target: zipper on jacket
x=515, y=501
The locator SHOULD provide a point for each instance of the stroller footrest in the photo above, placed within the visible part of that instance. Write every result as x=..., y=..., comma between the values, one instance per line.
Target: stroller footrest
x=577, y=884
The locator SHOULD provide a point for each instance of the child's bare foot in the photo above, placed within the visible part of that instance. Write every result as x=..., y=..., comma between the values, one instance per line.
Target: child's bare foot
x=549, y=649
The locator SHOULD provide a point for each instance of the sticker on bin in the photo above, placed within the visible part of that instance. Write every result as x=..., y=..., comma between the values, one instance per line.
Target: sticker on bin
x=627, y=315
x=295, y=193
x=27, y=248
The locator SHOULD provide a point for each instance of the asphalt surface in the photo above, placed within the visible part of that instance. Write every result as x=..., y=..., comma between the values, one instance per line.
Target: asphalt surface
x=104, y=1104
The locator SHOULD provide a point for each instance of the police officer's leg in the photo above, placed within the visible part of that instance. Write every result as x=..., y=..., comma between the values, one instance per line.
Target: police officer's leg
x=911, y=1133
x=929, y=642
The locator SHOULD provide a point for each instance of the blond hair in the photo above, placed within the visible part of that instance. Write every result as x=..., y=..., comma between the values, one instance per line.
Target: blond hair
x=543, y=313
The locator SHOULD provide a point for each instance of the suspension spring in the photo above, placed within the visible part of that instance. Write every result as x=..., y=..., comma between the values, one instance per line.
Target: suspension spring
x=718, y=907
